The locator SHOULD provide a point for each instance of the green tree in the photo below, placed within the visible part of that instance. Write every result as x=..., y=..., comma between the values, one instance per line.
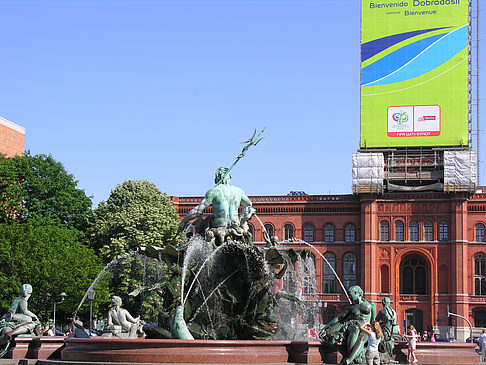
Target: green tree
x=51, y=259
x=37, y=189
x=135, y=214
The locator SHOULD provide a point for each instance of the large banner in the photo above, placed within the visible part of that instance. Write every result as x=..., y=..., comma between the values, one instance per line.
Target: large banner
x=414, y=73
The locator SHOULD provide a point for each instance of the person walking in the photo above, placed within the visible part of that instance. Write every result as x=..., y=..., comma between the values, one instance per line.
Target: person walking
x=373, y=330
x=412, y=344
x=482, y=345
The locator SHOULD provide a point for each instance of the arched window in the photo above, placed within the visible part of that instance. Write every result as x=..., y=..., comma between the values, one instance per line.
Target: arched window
x=269, y=229
x=443, y=235
x=479, y=232
x=428, y=231
x=308, y=233
x=288, y=231
x=251, y=229
x=414, y=276
x=385, y=279
x=328, y=278
x=413, y=230
x=349, y=233
x=329, y=233
x=479, y=274
x=384, y=229
x=398, y=231
x=349, y=270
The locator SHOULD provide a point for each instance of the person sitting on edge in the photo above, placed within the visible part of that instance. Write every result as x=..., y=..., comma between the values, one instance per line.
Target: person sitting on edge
x=430, y=333
x=50, y=331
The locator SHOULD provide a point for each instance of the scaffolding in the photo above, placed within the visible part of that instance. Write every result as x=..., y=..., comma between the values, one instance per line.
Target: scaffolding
x=414, y=169
x=368, y=173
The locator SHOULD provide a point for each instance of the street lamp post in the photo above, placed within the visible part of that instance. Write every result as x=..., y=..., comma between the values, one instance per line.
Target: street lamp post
x=91, y=296
x=324, y=307
x=449, y=314
x=62, y=296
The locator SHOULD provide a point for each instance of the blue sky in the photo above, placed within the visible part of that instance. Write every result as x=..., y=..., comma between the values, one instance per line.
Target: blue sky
x=166, y=91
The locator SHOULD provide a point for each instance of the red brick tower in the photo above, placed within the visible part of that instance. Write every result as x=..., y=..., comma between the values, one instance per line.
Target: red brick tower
x=12, y=138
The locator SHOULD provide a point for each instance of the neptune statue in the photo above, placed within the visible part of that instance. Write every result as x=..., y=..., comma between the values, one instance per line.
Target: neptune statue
x=224, y=223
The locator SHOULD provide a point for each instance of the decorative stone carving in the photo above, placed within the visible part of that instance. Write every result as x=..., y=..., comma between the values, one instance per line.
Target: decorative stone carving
x=384, y=253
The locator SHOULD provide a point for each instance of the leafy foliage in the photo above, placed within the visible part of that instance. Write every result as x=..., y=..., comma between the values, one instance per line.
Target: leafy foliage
x=141, y=283
x=37, y=189
x=51, y=260
x=135, y=214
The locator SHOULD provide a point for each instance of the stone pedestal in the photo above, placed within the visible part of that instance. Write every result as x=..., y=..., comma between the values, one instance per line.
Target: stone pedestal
x=462, y=333
x=306, y=352
x=21, y=348
x=44, y=347
x=331, y=354
x=47, y=347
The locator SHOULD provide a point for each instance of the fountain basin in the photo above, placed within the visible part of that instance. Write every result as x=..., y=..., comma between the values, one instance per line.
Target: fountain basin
x=129, y=351
x=190, y=351
x=441, y=352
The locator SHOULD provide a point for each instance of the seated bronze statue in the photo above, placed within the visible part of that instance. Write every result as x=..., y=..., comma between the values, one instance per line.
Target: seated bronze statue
x=120, y=322
x=343, y=331
x=18, y=320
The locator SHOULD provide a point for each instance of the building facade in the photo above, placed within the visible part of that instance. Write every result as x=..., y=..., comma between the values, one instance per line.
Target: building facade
x=426, y=251
x=12, y=138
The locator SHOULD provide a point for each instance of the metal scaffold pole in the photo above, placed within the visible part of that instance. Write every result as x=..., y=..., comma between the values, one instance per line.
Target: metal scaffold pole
x=478, y=158
x=478, y=124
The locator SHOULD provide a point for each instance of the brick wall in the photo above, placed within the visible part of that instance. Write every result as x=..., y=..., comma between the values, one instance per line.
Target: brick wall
x=12, y=137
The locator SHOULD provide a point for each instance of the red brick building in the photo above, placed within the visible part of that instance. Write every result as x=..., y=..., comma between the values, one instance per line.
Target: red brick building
x=12, y=138
x=424, y=250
